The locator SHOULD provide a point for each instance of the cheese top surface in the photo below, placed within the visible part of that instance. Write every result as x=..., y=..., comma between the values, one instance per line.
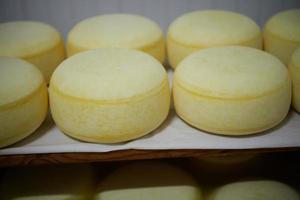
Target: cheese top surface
x=231, y=72
x=295, y=59
x=115, y=30
x=260, y=190
x=213, y=27
x=108, y=74
x=26, y=38
x=286, y=24
x=18, y=79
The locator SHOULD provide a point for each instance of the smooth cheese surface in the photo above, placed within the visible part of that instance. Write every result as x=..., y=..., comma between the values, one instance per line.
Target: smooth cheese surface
x=108, y=74
x=286, y=24
x=231, y=72
x=48, y=183
x=294, y=68
x=119, y=31
x=149, y=180
x=255, y=190
x=212, y=27
x=18, y=79
x=26, y=38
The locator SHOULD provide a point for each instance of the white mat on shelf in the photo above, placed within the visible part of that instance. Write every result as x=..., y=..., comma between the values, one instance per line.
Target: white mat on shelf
x=172, y=134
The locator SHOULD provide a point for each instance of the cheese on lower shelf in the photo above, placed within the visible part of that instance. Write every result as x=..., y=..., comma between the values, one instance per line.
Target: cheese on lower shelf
x=23, y=100
x=118, y=31
x=148, y=181
x=36, y=42
x=202, y=29
x=56, y=182
x=282, y=34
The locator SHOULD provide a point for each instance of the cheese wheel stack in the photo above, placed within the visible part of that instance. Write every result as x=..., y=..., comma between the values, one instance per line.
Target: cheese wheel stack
x=23, y=100
x=147, y=181
x=36, y=42
x=282, y=34
x=109, y=95
x=257, y=189
x=232, y=90
x=294, y=68
x=201, y=29
x=118, y=31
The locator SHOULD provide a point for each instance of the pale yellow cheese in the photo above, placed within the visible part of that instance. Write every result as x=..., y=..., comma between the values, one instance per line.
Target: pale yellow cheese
x=118, y=31
x=232, y=90
x=23, y=100
x=201, y=29
x=54, y=182
x=254, y=190
x=294, y=68
x=148, y=181
x=36, y=42
x=282, y=34
x=109, y=95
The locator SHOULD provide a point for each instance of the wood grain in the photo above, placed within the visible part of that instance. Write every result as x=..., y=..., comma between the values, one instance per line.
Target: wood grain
x=59, y=158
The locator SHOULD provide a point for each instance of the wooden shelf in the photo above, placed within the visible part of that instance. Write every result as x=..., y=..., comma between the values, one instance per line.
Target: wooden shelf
x=59, y=158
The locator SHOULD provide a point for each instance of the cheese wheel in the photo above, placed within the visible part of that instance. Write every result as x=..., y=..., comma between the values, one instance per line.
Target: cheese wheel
x=294, y=68
x=257, y=189
x=36, y=42
x=117, y=31
x=148, y=181
x=282, y=34
x=109, y=95
x=201, y=29
x=23, y=100
x=232, y=90
x=56, y=182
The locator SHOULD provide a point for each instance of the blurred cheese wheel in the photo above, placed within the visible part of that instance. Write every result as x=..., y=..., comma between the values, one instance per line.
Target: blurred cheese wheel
x=36, y=42
x=294, y=68
x=148, y=181
x=258, y=190
x=119, y=31
x=57, y=182
x=109, y=95
x=201, y=29
x=232, y=90
x=23, y=100
x=282, y=34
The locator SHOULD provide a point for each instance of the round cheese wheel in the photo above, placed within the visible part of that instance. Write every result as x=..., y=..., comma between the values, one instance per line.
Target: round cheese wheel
x=294, y=68
x=118, y=31
x=109, y=95
x=232, y=90
x=147, y=181
x=36, y=42
x=23, y=100
x=201, y=29
x=57, y=182
x=282, y=34
x=258, y=190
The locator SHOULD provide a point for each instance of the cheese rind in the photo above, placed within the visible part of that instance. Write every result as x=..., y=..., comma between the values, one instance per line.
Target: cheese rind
x=282, y=34
x=36, y=42
x=109, y=95
x=24, y=100
x=117, y=31
x=202, y=29
x=149, y=180
x=294, y=68
x=232, y=90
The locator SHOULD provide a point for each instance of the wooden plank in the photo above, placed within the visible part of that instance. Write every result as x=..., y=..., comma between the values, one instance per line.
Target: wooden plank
x=122, y=155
